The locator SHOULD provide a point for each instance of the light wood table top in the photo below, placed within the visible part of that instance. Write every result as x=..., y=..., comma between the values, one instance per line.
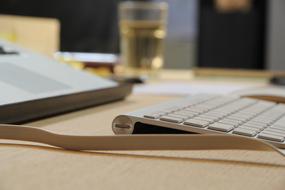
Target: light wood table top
x=33, y=166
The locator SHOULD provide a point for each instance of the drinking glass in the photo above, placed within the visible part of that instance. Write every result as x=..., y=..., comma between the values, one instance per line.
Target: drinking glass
x=142, y=31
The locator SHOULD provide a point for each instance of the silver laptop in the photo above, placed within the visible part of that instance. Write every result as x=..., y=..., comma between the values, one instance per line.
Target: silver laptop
x=34, y=86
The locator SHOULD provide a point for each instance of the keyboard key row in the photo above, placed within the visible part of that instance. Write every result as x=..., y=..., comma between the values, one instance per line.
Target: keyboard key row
x=243, y=117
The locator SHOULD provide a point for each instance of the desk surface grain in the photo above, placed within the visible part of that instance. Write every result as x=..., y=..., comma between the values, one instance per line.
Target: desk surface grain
x=34, y=166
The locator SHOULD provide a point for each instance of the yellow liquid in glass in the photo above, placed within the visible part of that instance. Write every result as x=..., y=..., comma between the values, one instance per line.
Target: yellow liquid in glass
x=142, y=44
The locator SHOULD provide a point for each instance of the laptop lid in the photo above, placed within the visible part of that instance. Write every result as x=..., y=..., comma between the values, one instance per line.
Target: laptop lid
x=26, y=76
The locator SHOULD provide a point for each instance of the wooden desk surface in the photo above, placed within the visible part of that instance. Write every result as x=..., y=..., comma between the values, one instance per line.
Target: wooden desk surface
x=30, y=166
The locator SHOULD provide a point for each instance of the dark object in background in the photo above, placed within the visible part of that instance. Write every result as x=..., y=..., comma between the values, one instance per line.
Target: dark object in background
x=231, y=39
x=278, y=80
x=86, y=25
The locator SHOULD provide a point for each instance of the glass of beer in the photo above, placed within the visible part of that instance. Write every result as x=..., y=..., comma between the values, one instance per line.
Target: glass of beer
x=142, y=31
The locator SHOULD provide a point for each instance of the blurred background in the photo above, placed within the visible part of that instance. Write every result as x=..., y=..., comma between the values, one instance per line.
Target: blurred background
x=235, y=34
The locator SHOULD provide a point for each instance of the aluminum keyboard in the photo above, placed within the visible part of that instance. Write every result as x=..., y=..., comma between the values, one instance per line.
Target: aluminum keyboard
x=224, y=114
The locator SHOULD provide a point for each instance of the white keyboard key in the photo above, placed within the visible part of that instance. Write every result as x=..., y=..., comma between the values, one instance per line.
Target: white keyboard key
x=211, y=116
x=172, y=109
x=161, y=112
x=254, y=126
x=250, y=128
x=204, y=119
x=214, y=114
x=179, y=116
x=278, y=126
x=267, y=122
x=186, y=113
x=272, y=132
x=221, y=127
x=281, y=120
x=196, y=123
x=270, y=137
x=238, y=115
x=152, y=116
x=257, y=123
x=171, y=119
x=234, y=121
x=245, y=132
x=237, y=118
x=280, y=130
x=231, y=122
x=192, y=109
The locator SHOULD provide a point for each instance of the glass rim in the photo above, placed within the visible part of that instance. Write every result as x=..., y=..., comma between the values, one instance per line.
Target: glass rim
x=142, y=5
